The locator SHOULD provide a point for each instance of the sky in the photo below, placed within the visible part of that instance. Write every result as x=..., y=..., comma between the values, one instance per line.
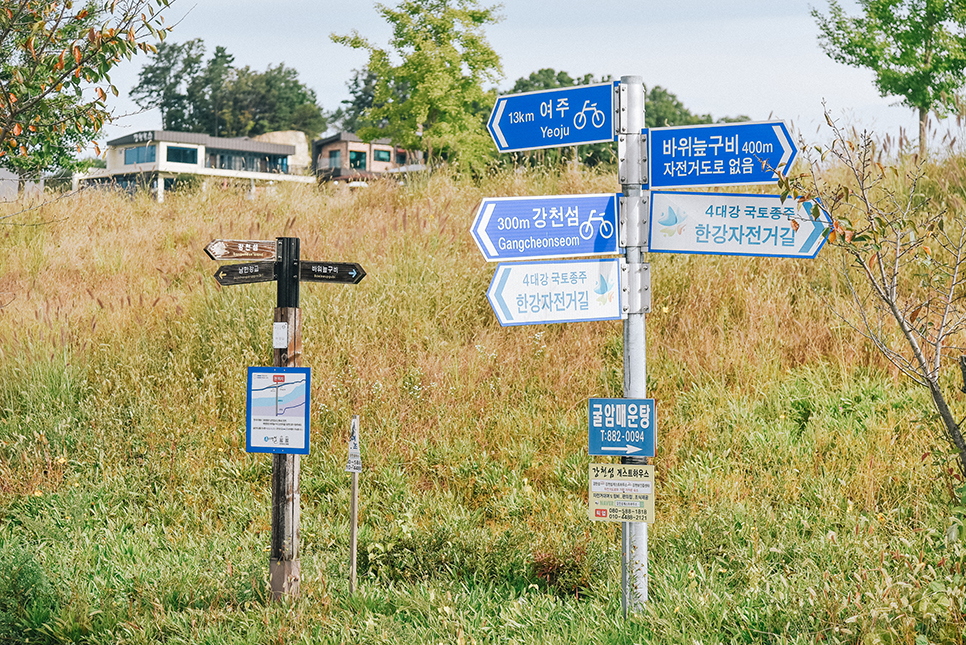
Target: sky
x=759, y=58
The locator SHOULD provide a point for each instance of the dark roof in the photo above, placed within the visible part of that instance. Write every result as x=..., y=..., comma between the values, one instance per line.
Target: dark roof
x=240, y=144
x=346, y=136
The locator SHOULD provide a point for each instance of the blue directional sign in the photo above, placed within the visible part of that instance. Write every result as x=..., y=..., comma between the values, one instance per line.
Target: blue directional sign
x=724, y=154
x=532, y=293
x=551, y=118
x=734, y=224
x=528, y=228
x=621, y=427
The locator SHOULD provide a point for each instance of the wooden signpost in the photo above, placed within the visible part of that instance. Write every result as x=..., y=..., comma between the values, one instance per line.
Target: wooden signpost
x=280, y=262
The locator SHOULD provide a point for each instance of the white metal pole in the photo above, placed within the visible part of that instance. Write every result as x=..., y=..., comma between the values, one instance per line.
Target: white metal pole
x=633, y=175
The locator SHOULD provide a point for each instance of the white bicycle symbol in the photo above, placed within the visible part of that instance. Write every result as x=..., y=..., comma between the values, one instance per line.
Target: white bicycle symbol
x=587, y=228
x=596, y=116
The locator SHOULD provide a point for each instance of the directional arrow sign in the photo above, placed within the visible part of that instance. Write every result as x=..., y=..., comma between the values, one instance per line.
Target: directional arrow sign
x=230, y=274
x=241, y=249
x=341, y=272
x=531, y=293
x=553, y=118
x=621, y=427
x=734, y=224
x=724, y=154
x=527, y=228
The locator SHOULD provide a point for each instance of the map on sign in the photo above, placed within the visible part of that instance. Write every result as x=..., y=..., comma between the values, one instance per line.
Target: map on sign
x=512, y=228
x=734, y=224
x=722, y=154
x=621, y=493
x=278, y=409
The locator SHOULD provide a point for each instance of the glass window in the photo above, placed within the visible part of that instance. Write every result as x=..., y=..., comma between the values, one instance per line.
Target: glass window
x=141, y=154
x=335, y=158
x=382, y=155
x=357, y=160
x=183, y=155
x=401, y=158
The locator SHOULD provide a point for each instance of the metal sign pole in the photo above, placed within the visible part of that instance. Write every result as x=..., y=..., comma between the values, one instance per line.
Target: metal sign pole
x=633, y=175
x=284, y=568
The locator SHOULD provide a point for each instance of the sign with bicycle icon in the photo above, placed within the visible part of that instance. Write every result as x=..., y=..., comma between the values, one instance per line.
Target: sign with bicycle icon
x=552, y=118
x=530, y=228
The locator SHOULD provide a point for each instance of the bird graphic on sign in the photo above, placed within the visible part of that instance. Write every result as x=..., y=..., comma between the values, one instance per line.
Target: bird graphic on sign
x=672, y=222
x=604, y=290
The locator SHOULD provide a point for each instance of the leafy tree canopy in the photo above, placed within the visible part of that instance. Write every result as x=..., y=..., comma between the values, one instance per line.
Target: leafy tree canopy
x=56, y=57
x=217, y=98
x=916, y=48
x=428, y=85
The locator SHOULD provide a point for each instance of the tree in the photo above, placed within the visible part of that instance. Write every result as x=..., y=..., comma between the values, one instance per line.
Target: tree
x=55, y=65
x=164, y=82
x=917, y=49
x=221, y=100
x=430, y=97
x=548, y=79
x=904, y=260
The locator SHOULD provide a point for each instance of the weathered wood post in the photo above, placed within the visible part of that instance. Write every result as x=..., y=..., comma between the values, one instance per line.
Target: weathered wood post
x=284, y=569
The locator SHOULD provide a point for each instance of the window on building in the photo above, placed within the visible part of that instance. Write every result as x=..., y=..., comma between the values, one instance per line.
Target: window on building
x=141, y=154
x=357, y=160
x=335, y=158
x=401, y=157
x=182, y=155
x=382, y=155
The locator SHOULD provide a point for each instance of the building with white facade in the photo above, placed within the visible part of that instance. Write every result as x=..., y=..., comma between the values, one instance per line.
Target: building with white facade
x=155, y=158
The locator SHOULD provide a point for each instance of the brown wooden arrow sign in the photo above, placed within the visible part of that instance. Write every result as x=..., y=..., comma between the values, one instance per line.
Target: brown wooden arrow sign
x=341, y=272
x=245, y=273
x=241, y=250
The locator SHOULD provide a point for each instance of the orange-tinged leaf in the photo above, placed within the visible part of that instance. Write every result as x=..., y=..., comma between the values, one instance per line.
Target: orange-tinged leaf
x=794, y=223
x=13, y=99
x=871, y=263
x=17, y=130
x=848, y=236
x=925, y=247
x=914, y=314
x=97, y=149
x=30, y=46
x=77, y=54
x=831, y=237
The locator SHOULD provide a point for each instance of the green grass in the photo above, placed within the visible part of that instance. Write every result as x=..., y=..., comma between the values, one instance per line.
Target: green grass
x=801, y=489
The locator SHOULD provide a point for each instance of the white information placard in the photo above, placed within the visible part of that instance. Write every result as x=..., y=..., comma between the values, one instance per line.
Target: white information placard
x=278, y=410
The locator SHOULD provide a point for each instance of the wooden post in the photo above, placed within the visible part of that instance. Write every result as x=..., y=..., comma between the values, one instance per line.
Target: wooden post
x=284, y=568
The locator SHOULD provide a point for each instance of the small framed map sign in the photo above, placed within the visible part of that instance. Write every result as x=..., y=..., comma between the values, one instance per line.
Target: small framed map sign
x=278, y=410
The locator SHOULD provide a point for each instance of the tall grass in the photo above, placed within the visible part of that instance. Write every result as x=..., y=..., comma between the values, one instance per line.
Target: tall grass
x=798, y=499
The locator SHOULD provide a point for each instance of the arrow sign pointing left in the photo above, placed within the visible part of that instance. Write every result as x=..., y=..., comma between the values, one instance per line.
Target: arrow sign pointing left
x=528, y=228
x=241, y=249
x=245, y=273
x=553, y=118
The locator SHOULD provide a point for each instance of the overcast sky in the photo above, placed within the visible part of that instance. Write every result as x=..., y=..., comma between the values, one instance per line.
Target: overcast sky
x=758, y=58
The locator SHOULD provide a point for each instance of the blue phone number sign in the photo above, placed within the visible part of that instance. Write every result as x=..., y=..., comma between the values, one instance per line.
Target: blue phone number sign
x=621, y=427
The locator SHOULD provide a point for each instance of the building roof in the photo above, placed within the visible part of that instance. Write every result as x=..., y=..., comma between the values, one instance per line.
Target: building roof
x=240, y=144
x=347, y=136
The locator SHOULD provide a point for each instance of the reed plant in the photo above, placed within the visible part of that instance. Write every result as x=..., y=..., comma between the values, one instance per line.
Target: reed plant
x=800, y=496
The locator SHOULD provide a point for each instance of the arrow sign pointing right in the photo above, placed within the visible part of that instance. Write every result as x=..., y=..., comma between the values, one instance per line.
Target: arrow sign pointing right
x=628, y=449
x=339, y=272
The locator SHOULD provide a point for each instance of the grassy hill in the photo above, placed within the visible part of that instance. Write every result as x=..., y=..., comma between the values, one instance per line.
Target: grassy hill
x=801, y=494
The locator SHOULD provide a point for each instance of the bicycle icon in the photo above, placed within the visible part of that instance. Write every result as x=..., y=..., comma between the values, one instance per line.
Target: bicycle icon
x=587, y=228
x=596, y=116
